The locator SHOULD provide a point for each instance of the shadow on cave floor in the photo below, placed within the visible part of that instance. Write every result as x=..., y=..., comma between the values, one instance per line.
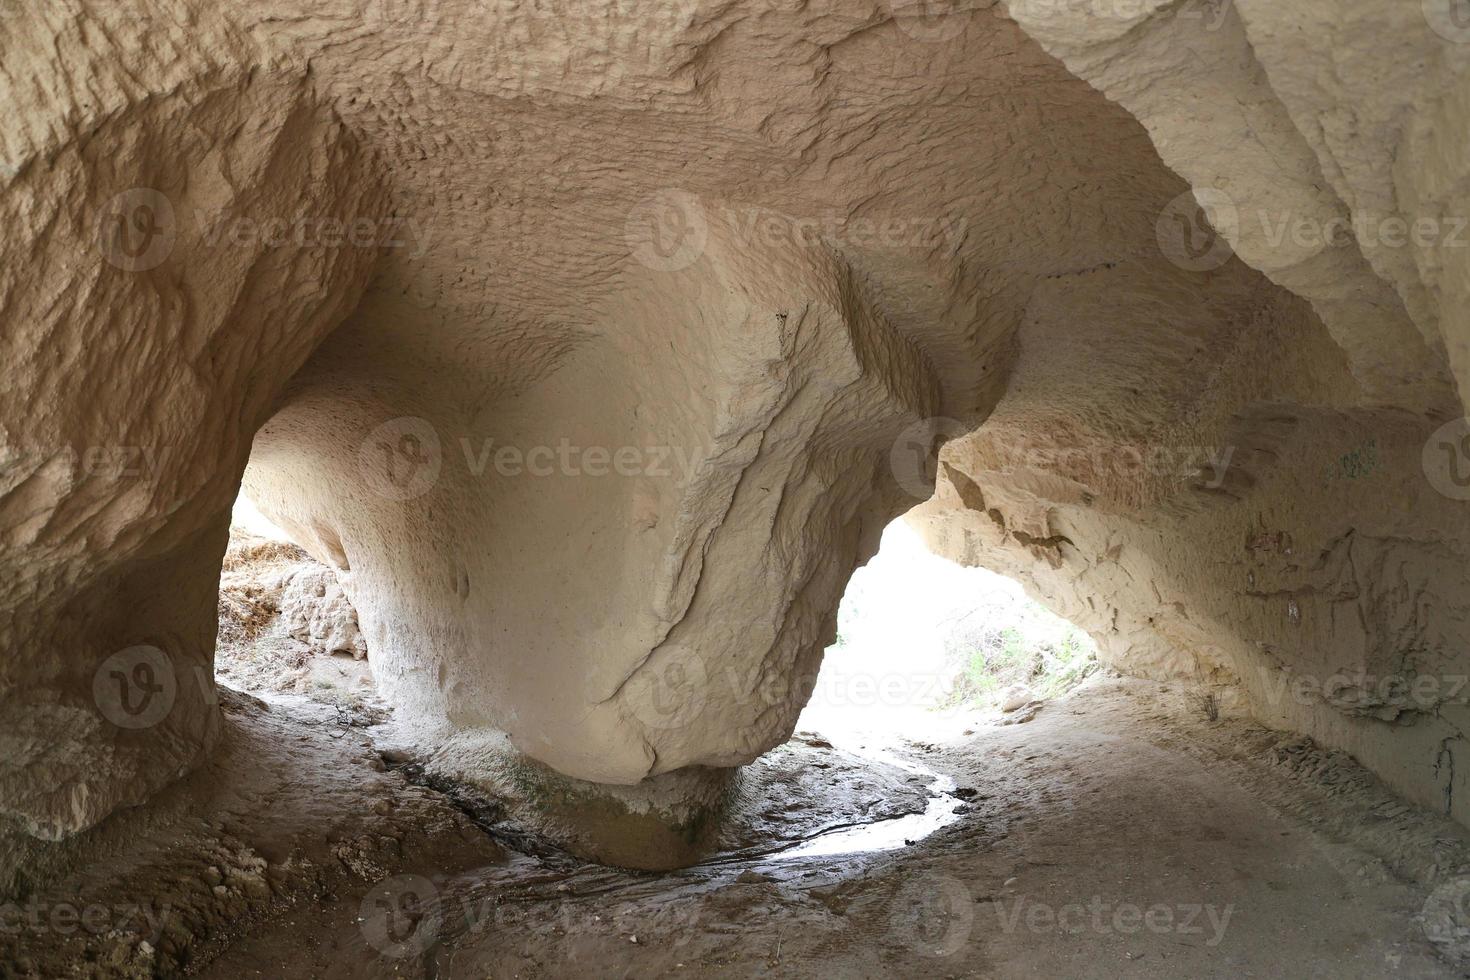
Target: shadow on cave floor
x=1115, y=833
x=973, y=650
x=980, y=815
x=1100, y=829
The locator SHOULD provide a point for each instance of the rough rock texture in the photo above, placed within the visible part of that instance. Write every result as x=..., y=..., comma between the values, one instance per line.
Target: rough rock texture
x=593, y=346
x=265, y=580
x=285, y=626
x=1266, y=497
x=1328, y=120
x=290, y=809
x=317, y=612
x=139, y=362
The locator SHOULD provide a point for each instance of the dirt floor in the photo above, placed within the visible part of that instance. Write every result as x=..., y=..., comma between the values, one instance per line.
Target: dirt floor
x=1113, y=834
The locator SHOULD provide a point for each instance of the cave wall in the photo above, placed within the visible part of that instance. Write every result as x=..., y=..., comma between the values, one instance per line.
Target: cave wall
x=744, y=268
x=1287, y=526
x=141, y=352
x=613, y=337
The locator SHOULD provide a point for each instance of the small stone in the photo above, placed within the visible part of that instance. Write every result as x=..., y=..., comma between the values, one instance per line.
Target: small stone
x=1016, y=696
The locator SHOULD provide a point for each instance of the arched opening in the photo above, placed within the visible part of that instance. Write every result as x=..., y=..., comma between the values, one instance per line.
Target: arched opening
x=585, y=356
x=286, y=624
x=924, y=643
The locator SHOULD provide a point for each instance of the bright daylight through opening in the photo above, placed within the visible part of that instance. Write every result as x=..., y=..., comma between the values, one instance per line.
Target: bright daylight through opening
x=734, y=488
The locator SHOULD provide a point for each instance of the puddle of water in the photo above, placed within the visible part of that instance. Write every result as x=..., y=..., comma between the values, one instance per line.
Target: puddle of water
x=870, y=837
x=886, y=835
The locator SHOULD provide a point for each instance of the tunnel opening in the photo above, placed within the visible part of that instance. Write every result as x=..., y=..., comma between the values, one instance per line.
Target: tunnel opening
x=453, y=280
x=928, y=651
x=287, y=627
x=924, y=643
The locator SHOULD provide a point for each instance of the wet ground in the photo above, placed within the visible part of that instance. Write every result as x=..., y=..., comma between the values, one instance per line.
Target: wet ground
x=1111, y=835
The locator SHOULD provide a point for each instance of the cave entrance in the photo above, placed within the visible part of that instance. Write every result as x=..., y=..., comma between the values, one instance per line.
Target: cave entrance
x=927, y=652
x=287, y=626
x=927, y=648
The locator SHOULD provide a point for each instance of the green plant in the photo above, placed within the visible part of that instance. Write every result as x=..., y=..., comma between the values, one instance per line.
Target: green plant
x=1048, y=655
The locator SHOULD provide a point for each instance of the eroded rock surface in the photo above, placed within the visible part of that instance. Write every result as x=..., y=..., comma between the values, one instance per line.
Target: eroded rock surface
x=286, y=625
x=318, y=613
x=592, y=347
x=1270, y=501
